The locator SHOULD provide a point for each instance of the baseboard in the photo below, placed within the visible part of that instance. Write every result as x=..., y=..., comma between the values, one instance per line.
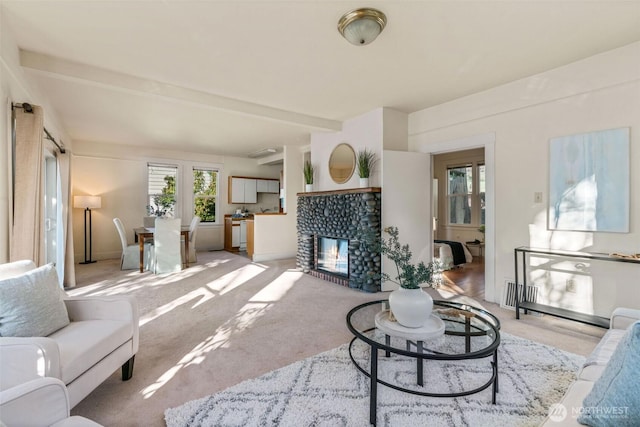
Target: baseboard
x=273, y=256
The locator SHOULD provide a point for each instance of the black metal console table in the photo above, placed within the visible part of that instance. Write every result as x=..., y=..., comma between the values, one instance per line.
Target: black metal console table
x=525, y=305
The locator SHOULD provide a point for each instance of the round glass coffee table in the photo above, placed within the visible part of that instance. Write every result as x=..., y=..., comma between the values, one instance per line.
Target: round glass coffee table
x=456, y=332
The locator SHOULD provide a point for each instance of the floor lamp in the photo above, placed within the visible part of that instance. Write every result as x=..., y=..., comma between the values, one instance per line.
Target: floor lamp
x=87, y=203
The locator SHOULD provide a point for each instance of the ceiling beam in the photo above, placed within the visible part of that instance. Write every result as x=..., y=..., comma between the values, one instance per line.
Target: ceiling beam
x=113, y=80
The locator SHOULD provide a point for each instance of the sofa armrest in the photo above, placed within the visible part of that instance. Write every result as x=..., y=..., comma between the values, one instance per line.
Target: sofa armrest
x=27, y=358
x=622, y=317
x=122, y=307
x=102, y=308
x=39, y=402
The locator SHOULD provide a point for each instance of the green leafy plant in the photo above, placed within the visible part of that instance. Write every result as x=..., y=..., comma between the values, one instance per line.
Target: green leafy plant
x=365, y=162
x=162, y=204
x=308, y=172
x=409, y=276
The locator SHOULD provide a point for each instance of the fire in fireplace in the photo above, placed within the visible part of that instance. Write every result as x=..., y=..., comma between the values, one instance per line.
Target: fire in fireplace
x=333, y=255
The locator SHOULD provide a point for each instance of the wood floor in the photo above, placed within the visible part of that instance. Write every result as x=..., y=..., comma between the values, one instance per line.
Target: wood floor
x=467, y=280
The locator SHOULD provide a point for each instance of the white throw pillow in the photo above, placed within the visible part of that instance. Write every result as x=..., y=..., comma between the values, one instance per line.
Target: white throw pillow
x=31, y=304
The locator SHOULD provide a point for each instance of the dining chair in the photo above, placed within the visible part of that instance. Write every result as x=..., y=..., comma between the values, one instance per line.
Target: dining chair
x=149, y=221
x=130, y=258
x=166, y=256
x=193, y=231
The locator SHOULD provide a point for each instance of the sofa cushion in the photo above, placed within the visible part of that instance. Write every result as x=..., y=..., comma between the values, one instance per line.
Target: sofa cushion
x=615, y=397
x=83, y=344
x=31, y=304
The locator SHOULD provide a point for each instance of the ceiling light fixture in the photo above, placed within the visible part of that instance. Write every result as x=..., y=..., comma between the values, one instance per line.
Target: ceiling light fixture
x=362, y=26
x=262, y=153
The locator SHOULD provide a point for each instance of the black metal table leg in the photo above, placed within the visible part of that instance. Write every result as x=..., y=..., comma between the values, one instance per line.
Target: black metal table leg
x=387, y=341
x=420, y=364
x=373, y=392
x=467, y=330
x=495, y=360
x=515, y=253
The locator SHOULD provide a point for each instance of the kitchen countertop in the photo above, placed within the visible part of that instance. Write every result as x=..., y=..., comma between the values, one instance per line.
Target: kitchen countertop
x=250, y=216
x=243, y=218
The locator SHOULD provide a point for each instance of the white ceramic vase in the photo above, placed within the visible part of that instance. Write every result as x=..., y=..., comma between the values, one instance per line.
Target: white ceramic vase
x=308, y=188
x=411, y=307
x=364, y=182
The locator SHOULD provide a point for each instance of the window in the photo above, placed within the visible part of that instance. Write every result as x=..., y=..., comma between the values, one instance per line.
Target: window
x=466, y=194
x=205, y=193
x=459, y=192
x=161, y=193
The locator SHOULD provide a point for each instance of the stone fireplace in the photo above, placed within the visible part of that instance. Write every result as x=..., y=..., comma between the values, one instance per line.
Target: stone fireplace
x=330, y=226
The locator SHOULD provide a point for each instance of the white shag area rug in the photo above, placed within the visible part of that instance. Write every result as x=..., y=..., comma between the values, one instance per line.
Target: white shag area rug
x=327, y=390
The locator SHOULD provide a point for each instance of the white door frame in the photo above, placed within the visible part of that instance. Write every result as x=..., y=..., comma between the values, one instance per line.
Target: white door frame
x=491, y=291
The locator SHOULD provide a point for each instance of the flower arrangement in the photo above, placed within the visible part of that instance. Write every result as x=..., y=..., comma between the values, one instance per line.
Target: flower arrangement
x=409, y=276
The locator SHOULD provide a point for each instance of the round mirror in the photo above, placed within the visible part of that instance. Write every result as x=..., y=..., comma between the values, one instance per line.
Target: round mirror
x=342, y=163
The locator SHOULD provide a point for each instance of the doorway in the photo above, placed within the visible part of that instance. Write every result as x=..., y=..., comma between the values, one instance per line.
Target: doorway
x=486, y=141
x=459, y=182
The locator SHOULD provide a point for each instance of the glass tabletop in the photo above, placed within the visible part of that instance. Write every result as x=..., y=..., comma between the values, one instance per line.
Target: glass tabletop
x=469, y=332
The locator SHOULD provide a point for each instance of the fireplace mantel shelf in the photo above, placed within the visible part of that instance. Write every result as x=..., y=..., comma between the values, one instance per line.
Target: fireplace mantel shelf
x=347, y=191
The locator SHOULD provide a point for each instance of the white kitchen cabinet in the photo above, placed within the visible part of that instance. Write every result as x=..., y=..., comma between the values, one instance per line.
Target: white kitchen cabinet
x=235, y=235
x=268, y=186
x=236, y=190
x=243, y=235
x=263, y=186
x=250, y=190
x=242, y=190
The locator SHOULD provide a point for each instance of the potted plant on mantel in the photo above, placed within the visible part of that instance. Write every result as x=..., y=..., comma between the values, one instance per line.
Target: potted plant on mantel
x=308, y=176
x=365, y=161
x=410, y=305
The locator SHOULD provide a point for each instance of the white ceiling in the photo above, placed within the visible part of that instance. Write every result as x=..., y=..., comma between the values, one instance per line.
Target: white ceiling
x=230, y=77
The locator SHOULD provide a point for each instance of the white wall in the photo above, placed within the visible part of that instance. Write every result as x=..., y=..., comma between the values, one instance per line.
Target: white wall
x=395, y=130
x=275, y=236
x=364, y=131
x=406, y=198
x=601, y=92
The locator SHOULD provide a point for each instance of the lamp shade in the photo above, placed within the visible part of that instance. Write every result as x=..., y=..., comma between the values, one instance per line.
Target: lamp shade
x=361, y=26
x=87, y=202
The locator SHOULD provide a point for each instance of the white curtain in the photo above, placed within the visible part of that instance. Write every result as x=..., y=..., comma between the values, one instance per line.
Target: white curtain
x=65, y=261
x=27, y=231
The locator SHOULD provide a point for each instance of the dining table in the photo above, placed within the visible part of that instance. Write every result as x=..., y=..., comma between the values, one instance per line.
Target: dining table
x=142, y=233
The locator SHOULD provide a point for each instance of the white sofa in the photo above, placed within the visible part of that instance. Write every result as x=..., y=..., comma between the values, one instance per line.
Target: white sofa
x=37, y=403
x=621, y=319
x=102, y=335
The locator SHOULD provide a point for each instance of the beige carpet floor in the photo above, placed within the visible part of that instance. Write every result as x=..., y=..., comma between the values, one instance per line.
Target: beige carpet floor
x=227, y=319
